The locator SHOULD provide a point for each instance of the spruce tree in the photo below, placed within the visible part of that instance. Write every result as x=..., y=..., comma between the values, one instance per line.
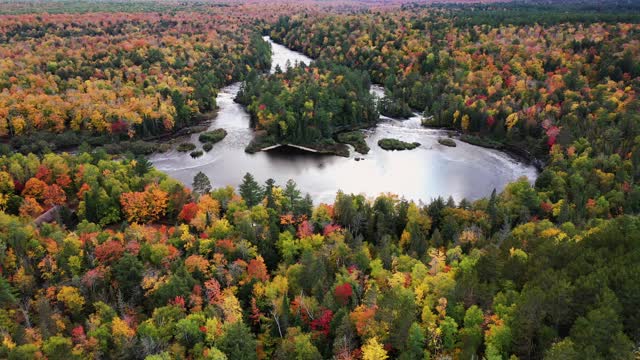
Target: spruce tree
x=201, y=183
x=250, y=190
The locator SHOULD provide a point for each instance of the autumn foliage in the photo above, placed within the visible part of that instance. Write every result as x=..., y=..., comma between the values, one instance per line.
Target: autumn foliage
x=129, y=262
x=117, y=73
x=343, y=293
x=145, y=206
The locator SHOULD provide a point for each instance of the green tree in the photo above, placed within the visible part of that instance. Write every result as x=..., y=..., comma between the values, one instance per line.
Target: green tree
x=416, y=233
x=128, y=273
x=180, y=284
x=187, y=331
x=162, y=356
x=292, y=197
x=23, y=352
x=58, y=348
x=562, y=350
x=599, y=335
x=492, y=209
x=250, y=190
x=268, y=191
x=201, y=183
x=297, y=345
x=237, y=342
x=143, y=165
x=471, y=334
x=8, y=294
x=415, y=343
x=449, y=331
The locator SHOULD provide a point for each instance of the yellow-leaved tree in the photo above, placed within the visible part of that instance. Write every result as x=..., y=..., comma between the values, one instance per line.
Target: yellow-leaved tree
x=373, y=350
x=71, y=298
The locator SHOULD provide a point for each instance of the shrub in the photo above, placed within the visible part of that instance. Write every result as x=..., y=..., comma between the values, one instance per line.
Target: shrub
x=355, y=139
x=184, y=147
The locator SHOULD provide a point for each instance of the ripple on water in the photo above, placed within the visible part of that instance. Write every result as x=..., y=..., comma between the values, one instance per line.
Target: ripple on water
x=431, y=170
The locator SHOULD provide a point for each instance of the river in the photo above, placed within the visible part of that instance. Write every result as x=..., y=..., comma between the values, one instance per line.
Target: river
x=431, y=170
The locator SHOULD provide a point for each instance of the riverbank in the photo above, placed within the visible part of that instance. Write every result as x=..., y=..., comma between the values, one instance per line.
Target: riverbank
x=514, y=151
x=355, y=139
x=420, y=174
x=163, y=142
x=117, y=143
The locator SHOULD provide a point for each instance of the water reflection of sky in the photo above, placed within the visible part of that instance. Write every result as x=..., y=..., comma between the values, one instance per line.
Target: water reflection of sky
x=424, y=173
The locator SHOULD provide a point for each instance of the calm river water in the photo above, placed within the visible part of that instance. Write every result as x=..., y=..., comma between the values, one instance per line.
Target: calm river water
x=431, y=170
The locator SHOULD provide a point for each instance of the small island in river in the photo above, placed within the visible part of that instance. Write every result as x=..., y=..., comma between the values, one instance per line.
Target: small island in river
x=307, y=106
x=213, y=136
x=318, y=173
x=186, y=147
x=395, y=144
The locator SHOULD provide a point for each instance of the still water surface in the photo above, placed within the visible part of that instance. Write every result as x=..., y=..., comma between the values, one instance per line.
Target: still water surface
x=431, y=170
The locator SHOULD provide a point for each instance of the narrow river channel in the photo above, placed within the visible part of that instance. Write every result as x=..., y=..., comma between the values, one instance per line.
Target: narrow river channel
x=431, y=170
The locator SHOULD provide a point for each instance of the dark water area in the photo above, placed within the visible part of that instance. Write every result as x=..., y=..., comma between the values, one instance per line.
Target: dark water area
x=431, y=170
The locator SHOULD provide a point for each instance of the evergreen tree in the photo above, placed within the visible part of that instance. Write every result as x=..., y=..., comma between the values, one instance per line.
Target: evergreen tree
x=237, y=342
x=268, y=191
x=450, y=202
x=250, y=190
x=292, y=197
x=492, y=209
x=436, y=238
x=415, y=343
x=143, y=165
x=128, y=273
x=464, y=204
x=435, y=209
x=91, y=204
x=305, y=207
x=7, y=293
x=565, y=212
x=201, y=183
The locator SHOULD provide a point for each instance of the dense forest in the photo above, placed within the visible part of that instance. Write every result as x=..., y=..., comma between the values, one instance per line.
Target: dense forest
x=104, y=257
x=525, y=84
x=308, y=105
x=136, y=263
x=106, y=77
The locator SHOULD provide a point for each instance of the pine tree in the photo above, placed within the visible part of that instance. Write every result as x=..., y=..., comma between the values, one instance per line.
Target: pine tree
x=464, y=204
x=450, y=202
x=90, y=204
x=268, y=191
x=292, y=196
x=565, y=212
x=250, y=190
x=492, y=209
x=7, y=293
x=201, y=183
x=143, y=165
x=305, y=207
x=415, y=343
x=436, y=238
x=237, y=342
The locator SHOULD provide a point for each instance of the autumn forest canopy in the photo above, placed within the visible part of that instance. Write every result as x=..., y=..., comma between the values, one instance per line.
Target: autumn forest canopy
x=103, y=256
